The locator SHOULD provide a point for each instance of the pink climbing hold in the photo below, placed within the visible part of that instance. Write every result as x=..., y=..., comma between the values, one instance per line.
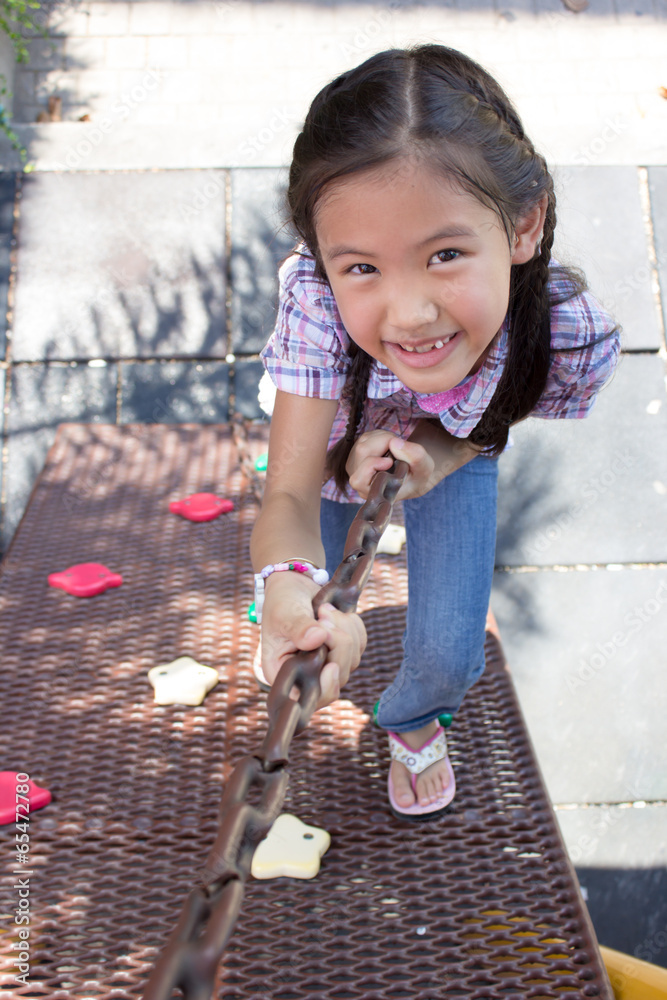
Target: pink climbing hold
x=19, y=795
x=201, y=507
x=85, y=579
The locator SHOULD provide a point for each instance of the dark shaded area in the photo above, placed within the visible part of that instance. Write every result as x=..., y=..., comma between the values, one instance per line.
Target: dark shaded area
x=7, y=196
x=247, y=375
x=629, y=909
x=260, y=242
x=175, y=392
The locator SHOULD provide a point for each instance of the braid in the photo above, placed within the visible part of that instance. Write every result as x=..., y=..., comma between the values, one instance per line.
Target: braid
x=529, y=350
x=355, y=394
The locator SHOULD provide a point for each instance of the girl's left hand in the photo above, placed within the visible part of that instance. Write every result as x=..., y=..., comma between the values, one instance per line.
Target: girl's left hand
x=368, y=457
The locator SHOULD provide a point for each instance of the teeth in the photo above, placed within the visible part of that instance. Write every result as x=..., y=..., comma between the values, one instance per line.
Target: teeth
x=427, y=347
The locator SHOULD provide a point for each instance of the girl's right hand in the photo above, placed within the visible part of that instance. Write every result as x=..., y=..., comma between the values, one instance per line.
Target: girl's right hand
x=369, y=455
x=289, y=625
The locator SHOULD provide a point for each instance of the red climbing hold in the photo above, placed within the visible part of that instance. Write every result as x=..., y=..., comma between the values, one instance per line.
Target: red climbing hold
x=18, y=794
x=201, y=507
x=85, y=579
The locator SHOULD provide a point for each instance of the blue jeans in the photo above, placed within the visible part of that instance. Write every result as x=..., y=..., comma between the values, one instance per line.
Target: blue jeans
x=451, y=538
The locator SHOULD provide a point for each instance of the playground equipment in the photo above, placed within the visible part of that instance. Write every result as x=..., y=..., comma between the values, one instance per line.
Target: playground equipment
x=483, y=904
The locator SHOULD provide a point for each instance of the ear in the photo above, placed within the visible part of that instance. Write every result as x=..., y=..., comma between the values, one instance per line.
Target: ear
x=528, y=232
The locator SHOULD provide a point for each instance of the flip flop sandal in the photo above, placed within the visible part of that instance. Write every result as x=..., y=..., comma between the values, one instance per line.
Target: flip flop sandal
x=416, y=761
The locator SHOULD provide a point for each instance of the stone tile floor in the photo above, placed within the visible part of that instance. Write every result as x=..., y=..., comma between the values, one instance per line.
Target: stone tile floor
x=140, y=275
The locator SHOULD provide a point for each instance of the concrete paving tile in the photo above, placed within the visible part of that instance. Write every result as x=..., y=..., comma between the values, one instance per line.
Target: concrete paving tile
x=246, y=383
x=610, y=246
x=109, y=19
x=197, y=17
x=620, y=855
x=168, y=53
x=126, y=53
x=70, y=20
x=85, y=52
x=259, y=243
x=121, y=265
x=150, y=18
x=47, y=53
x=174, y=392
x=586, y=651
x=43, y=396
x=592, y=490
x=7, y=195
x=657, y=183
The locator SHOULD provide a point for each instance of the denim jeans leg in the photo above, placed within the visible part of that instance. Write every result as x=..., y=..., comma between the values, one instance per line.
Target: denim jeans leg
x=335, y=521
x=451, y=534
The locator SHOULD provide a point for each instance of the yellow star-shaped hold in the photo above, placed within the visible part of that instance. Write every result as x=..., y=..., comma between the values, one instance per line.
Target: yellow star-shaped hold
x=291, y=848
x=182, y=682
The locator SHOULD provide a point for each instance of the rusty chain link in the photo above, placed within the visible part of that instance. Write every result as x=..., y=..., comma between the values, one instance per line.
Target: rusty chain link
x=194, y=949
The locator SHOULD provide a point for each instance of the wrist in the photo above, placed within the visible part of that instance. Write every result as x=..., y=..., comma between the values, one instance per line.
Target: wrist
x=295, y=569
x=295, y=583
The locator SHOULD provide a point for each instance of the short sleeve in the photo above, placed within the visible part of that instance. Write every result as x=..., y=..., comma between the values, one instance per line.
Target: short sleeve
x=586, y=345
x=307, y=353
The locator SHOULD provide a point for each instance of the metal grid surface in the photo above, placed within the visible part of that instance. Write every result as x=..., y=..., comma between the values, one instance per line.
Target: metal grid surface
x=482, y=904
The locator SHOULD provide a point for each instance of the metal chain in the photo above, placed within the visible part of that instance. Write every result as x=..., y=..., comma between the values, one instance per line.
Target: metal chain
x=194, y=949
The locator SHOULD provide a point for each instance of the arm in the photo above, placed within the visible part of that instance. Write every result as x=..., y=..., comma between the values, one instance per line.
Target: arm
x=431, y=452
x=288, y=527
x=448, y=453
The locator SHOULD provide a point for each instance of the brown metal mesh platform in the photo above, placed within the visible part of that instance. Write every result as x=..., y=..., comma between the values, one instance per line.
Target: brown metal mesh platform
x=480, y=905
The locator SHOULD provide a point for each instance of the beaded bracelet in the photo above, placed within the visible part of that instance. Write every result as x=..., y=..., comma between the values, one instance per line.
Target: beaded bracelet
x=319, y=576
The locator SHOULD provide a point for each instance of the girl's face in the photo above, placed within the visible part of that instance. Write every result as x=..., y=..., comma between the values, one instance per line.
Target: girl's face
x=420, y=271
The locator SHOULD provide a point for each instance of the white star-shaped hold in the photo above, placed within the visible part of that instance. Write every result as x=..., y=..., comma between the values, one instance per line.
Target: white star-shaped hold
x=392, y=541
x=290, y=848
x=182, y=682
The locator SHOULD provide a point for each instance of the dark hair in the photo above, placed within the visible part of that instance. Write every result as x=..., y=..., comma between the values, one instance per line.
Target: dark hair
x=436, y=103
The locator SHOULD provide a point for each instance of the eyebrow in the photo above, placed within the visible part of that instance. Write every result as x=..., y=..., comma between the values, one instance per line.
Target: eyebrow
x=449, y=233
x=444, y=234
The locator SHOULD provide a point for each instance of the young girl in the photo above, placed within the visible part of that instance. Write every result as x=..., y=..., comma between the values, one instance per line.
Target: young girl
x=420, y=316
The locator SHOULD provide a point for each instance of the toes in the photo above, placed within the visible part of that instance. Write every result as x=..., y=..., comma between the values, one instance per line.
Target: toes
x=402, y=788
x=431, y=784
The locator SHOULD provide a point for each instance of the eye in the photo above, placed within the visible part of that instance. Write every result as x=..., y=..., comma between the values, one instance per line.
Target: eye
x=445, y=256
x=361, y=269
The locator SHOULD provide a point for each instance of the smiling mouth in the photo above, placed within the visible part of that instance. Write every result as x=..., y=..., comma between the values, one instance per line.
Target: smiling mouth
x=424, y=355
x=425, y=348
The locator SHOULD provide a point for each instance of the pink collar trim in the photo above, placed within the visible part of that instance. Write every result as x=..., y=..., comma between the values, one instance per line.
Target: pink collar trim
x=445, y=400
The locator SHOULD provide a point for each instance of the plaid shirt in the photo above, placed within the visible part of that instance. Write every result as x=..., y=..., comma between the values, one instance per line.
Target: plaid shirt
x=307, y=356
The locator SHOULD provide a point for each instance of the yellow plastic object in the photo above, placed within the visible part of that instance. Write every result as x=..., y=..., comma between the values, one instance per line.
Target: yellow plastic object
x=290, y=848
x=632, y=979
x=392, y=540
x=182, y=682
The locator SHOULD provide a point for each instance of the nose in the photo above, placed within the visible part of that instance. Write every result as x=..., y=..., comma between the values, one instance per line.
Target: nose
x=410, y=307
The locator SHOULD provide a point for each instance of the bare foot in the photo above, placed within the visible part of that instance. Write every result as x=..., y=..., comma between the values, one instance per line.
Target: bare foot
x=431, y=783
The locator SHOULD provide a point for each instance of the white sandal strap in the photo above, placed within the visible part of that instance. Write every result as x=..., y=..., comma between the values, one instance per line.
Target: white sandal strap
x=417, y=761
